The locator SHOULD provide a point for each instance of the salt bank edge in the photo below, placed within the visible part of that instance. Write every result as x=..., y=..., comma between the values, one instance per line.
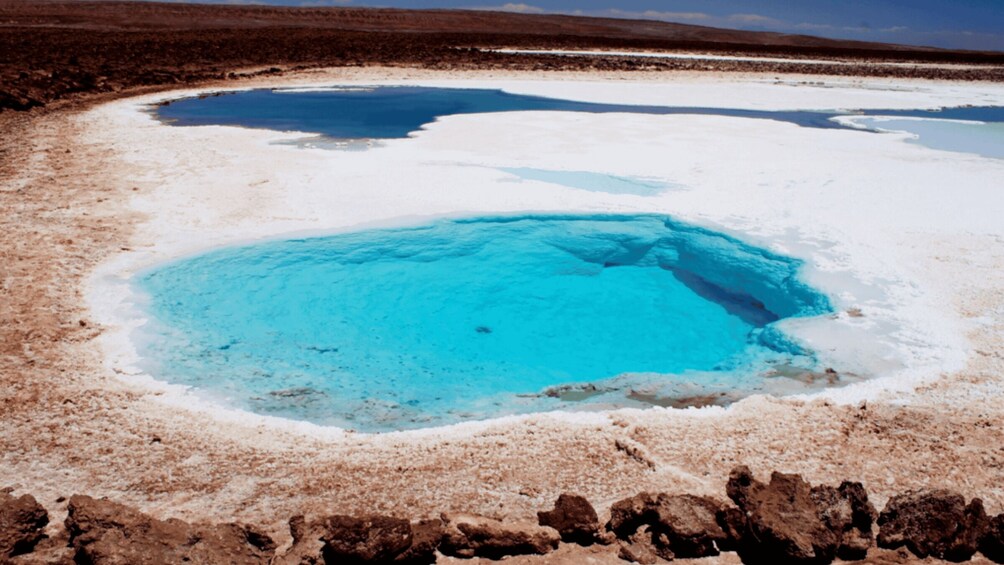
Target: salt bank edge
x=177, y=229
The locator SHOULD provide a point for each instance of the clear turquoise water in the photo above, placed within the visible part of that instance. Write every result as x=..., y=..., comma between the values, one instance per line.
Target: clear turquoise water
x=467, y=319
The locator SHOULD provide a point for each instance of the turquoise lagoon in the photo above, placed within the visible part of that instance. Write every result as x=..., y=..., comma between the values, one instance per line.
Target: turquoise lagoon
x=467, y=319
x=463, y=319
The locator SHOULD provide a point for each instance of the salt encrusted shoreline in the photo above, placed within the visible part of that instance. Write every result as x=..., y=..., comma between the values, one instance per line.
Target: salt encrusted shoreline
x=73, y=425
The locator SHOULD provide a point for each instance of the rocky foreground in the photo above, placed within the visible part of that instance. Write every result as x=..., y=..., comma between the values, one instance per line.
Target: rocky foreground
x=786, y=520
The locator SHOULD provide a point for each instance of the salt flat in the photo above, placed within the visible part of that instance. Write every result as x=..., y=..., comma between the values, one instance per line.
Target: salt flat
x=855, y=206
x=909, y=237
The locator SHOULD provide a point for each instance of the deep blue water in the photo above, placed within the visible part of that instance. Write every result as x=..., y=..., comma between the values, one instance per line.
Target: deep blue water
x=467, y=319
x=389, y=112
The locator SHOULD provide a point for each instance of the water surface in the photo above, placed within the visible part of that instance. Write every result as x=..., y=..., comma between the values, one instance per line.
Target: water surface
x=387, y=112
x=468, y=319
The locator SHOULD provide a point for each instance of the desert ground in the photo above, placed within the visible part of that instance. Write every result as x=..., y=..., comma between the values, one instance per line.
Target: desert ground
x=92, y=187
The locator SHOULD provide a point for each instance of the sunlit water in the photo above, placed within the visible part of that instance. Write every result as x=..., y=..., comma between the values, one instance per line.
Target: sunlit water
x=468, y=319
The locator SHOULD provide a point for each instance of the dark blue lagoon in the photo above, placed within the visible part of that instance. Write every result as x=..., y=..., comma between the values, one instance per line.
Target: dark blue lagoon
x=389, y=112
x=467, y=319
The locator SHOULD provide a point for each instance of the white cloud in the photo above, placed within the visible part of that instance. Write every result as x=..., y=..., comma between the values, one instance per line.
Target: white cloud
x=755, y=20
x=517, y=7
x=656, y=15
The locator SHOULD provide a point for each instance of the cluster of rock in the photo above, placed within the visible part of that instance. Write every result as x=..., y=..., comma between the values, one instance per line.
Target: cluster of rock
x=783, y=521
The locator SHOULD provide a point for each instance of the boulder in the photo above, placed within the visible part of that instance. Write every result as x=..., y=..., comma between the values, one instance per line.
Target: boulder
x=782, y=522
x=106, y=533
x=846, y=511
x=992, y=544
x=22, y=521
x=687, y=526
x=680, y=526
x=476, y=536
x=627, y=515
x=372, y=539
x=426, y=536
x=574, y=518
x=935, y=523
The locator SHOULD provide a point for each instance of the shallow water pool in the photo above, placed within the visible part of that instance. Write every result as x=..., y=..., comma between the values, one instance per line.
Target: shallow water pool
x=467, y=319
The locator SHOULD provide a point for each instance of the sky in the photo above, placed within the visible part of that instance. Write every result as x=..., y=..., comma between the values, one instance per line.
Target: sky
x=958, y=24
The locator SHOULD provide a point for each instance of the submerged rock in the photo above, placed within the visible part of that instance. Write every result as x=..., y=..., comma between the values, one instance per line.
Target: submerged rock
x=935, y=523
x=106, y=533
x=22, y=521
x=476, y=536
x=574, y=518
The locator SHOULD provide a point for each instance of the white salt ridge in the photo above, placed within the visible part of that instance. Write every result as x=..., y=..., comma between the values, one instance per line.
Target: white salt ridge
x=862, y=209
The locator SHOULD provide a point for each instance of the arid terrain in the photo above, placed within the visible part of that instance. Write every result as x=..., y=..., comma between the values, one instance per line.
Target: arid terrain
x=51, y=50
x=71, y=426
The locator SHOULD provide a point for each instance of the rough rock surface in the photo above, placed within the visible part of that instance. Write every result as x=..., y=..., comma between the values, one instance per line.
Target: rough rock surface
x=477, y=536
x=992, y=544
x=627, y=515
x=688, y=526
x=369, y=539
x=935, y=523
x=847, y=512
x=639, y=548
x=680, y=526
x=372, y=539
x=426, y=536
x=782, y=521
x=574, y=518
x=103, y=532
x=22, y=520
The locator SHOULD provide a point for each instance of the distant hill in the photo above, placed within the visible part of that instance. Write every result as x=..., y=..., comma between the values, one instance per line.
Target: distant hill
x=57, y=49
x=109, y=15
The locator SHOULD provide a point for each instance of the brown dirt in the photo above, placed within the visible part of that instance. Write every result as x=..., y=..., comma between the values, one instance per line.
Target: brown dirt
x=52, y=50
